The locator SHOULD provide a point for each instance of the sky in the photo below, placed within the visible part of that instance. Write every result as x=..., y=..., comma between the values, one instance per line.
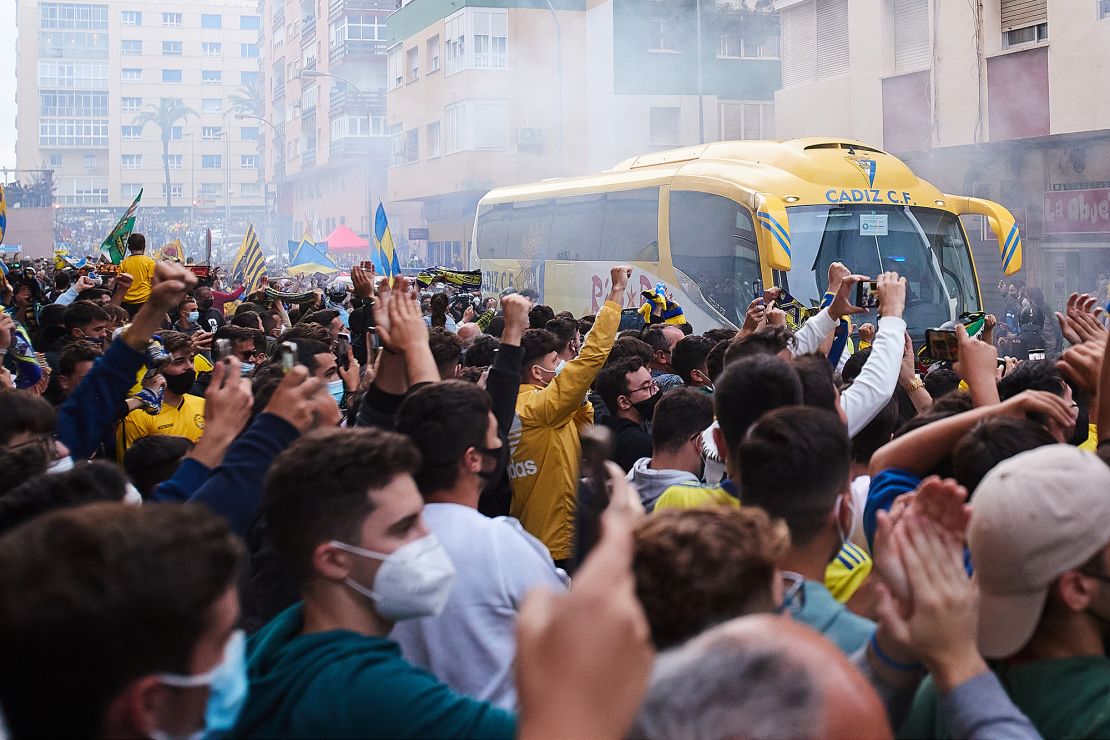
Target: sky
x=7, y=83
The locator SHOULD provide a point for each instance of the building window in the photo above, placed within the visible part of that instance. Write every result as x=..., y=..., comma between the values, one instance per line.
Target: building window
x=814, y=41
x=211, y=21
x=663, y=126
x=210, y=188
x=1103, y=9
x=491, y=38
x=130, y=74
x=740, y=120
x=171, y=48
x=55, y=160
x=175, y=161
x=73, y=75
x=177, y=133
x=210, y=133
x=432, y=53
x=248, y=161
x=476, y=124
x=247, y=77
x=248, y=51
x=131, y=132
x=131, y=48
x=911, y=35
x=89, y=161
x=455, y=29
x=211, y=105
x=662, y=35
x=131, y=161
x=171, y=19
x=74, y=103
x=1027, y=35
x=412, y=64
x=129, y=190
x=73, y=16
x=730, y=44
x=250, y=22
x=396, y=136
x=176, y=190
x=130, y=105
x=211, y=48
x=131, y=18
x=210, y=161
x=412, y=145
x=396, y=69
x=357, y=28
x=435, y=140
x=73, y=132
x=211, y=76
x=249, y=133
x=766, y=47
x=249, y=189
x=171, y=75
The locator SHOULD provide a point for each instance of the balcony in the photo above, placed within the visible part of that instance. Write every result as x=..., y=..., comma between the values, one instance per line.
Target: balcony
x=356, y=51
x=279, y=88
x=353, y=102
x=339, y=7
x=308, y=157
x=279, y=14
x=371, y=147
x=308, y=29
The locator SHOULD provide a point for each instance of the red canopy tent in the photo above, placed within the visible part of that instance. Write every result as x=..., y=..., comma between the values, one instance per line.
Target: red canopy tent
x=343, y=240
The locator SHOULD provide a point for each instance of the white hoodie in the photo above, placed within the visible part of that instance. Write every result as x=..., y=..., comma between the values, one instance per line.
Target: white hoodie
x=650, y=483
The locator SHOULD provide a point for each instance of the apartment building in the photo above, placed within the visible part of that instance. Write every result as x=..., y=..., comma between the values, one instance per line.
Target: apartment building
x=88, y=71
x=481, y=96
x=324, y=145
x=1003, y=99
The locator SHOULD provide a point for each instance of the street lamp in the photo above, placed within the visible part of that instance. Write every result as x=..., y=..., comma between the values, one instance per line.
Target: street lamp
x=369, y=128
x=280, y=173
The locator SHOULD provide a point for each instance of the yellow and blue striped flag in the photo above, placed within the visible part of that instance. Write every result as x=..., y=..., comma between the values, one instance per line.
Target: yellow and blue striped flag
x=385, y=257
x=250, y=265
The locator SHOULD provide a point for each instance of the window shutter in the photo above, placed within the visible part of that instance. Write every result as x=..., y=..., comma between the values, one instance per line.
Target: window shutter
x=911, y=35
x=799, y=61
x=499, y=23
x=832, y=37
x=480, y=22
x=1021, y=13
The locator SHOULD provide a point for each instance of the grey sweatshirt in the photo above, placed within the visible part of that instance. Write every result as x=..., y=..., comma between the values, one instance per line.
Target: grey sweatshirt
x=651, y=483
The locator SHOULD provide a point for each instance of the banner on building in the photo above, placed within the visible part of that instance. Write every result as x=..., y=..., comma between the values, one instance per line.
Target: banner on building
x=1077, y=211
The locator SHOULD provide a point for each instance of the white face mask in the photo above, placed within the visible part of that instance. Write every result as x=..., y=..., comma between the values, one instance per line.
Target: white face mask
x=131, y=496
x=559, y=366
x=414, y=580
x=61, y=465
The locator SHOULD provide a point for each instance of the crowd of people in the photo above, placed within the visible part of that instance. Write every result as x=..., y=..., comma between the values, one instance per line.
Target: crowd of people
x=357, y=513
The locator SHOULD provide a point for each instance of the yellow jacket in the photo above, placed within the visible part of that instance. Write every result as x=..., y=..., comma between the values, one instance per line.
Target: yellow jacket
x=543, y=442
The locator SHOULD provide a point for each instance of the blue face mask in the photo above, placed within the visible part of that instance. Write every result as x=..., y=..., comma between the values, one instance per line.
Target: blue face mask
x=246, y=368
x=193, y=316
x=559, y=366
x=335, y=390
x=227, y=686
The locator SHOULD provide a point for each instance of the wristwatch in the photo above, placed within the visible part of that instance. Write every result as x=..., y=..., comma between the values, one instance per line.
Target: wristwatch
x=914, y=384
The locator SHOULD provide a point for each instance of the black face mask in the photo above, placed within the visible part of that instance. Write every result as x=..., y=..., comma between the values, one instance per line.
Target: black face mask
x=647, y=406
x=204, y=304
x=500, y=457
x=181, y=384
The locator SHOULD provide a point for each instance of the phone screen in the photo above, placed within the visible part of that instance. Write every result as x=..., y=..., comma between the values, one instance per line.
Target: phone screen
x=942, y=344
x=867, y=294
x=1036, y=354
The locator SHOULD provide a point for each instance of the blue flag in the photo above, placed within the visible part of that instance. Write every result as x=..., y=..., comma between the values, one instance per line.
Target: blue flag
x=385, y=256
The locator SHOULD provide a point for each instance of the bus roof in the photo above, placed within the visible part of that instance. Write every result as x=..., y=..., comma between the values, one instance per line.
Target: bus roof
x=815, y=170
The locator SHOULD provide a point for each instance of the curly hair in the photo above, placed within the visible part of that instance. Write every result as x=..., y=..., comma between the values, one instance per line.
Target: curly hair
x=697, y=567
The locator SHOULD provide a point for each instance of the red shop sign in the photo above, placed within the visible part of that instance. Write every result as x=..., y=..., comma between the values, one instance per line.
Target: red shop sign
x=1077, y=211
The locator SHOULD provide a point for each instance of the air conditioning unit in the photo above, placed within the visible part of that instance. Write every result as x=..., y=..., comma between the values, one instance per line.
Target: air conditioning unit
x=529, y=140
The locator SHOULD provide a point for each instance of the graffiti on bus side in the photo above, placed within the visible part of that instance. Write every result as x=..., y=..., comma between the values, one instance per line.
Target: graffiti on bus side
x=631, y=298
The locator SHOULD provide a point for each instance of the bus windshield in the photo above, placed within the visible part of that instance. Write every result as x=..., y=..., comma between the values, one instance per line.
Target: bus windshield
x=924, y=245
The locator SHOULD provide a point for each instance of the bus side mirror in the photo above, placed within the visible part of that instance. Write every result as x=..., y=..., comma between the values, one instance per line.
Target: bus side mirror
x=1002, y=224
x=770, y=214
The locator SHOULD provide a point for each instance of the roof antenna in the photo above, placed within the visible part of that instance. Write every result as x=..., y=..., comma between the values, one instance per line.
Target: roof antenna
x=852, y=149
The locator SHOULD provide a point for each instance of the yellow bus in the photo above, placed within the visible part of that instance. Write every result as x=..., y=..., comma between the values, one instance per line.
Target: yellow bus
x=710, y=220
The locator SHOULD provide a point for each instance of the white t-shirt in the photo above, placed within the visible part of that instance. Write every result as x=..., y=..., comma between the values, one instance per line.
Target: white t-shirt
x=470, y=646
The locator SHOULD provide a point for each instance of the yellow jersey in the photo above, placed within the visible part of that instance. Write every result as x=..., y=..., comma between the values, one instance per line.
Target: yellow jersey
x=186, y=419
x=847, y=571
x=141, y=268
x=544, y=446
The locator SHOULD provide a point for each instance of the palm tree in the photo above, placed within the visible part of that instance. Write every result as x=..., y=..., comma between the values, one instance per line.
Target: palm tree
x=249, y=101
x=166, y=115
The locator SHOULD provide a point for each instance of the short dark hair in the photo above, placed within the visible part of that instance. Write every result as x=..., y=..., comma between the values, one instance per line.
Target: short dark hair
x=323, y=317
x=152, y=460
x=85, y=483
x=539, y=315
x=816, y=374
x=536, y=343
x=565, y=330
x=496, y=326
x=108, y=593
x=940, y=382
x=680, y=414
x=185, y=302
x=721, y=334
x=793, y=464
x=82, y=313
x=23, y=412
x=247, y=319
x=715, y=360
x=690, y=354
x=990, y=442
x=586, y=323
x=244, y=307
x=74, y=353
x=301, y=332
x=853, y=366
x=630, y=347
x=481, y=352
x=697, y=567
x=1032, y=375
x=612, y=381
x=446, y=350
x=656, y=339
x=749, y=388
x=62, y=279
x=444, y=420
x=172, y=341
x=767, y=340
x=877, y=433
x=316, y=490
x=136, y=242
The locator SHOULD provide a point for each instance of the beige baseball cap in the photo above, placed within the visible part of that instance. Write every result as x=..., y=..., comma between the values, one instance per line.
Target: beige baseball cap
x=1034, y=516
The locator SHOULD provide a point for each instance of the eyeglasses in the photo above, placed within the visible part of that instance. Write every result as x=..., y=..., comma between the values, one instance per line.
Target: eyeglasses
x=793, y=593
x=651, y=385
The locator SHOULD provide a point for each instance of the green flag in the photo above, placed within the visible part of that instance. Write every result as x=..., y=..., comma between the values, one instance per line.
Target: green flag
x=114, y=245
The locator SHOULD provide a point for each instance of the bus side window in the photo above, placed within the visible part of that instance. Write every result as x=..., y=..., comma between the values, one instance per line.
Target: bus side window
x=530, y=230
x=493, y=230
x=576, y=228
x=630, y=232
